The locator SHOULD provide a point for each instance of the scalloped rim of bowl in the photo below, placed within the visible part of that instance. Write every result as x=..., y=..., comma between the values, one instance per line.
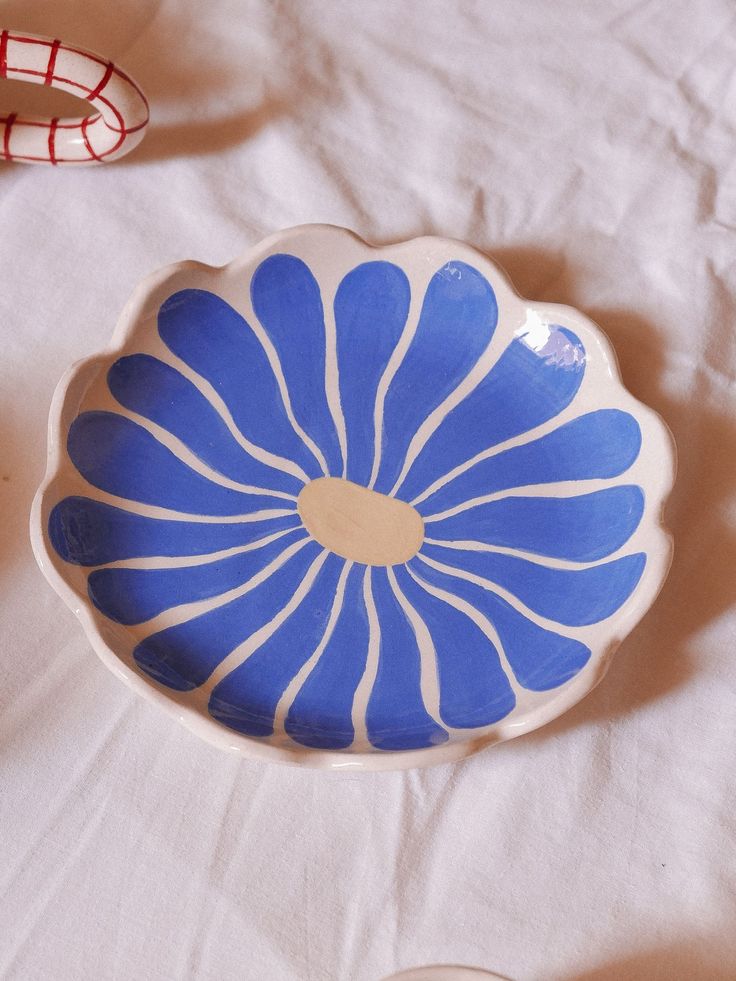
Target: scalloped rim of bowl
x=142, y=306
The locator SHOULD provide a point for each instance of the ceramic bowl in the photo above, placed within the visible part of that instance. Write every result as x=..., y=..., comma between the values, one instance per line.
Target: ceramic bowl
x=351, y=506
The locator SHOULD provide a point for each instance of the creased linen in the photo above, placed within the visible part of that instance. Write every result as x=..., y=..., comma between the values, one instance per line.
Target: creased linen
x=590, y=149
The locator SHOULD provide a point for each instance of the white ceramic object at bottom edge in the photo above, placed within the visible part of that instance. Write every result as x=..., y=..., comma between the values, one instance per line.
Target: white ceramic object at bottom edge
x=559, y=517
x=445, y=972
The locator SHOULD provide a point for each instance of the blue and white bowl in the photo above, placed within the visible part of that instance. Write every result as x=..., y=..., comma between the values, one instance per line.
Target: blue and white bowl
x=348, y=506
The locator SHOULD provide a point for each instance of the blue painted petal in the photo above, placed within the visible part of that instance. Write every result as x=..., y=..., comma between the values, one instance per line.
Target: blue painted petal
x=457, y=321
x=575, y=597
x=541, y=659
x=135, y=595
x=160, y=393
x=600, y=444
x=184, y=656
x=246, y=699
x=525, y=388
x=87, y=532
x=321, y=714
x=396, y=717
x=287, y=301
x=371, y=307
x=120, y=457
x=581, y=529
x=216, y=342
x=474, y=690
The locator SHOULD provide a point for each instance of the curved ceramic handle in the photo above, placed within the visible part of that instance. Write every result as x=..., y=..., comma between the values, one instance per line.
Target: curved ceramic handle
x=113, y=131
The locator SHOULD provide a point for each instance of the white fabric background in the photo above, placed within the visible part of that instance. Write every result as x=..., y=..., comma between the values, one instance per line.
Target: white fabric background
x=590, y=148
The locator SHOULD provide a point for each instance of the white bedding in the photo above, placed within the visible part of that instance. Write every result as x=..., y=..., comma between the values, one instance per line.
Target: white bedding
x=588, y=147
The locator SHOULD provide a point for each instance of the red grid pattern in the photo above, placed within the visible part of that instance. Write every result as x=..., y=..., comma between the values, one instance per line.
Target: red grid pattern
x=75, y=130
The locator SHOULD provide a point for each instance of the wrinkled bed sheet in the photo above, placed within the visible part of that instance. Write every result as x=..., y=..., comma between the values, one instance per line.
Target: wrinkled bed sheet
x=590, y=148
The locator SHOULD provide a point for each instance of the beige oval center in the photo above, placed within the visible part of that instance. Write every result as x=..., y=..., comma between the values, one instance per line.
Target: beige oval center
x=360, y=524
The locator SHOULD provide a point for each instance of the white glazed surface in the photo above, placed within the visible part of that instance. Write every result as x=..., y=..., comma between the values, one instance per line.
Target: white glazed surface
x=441, y=972
x=117, y=127
x=330, y=253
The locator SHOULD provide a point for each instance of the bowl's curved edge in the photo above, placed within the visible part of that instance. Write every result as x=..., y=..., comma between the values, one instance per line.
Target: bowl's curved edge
x=247, y=747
